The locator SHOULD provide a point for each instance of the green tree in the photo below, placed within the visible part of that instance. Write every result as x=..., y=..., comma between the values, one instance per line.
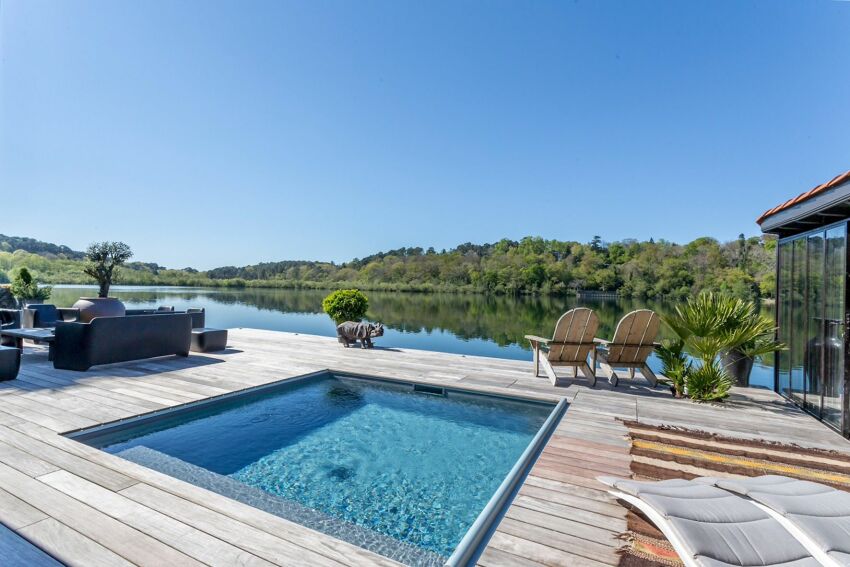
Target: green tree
x=102, y=259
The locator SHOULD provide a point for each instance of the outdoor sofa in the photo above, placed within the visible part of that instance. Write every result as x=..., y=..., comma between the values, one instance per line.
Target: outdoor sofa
x=198, y=314
x=105, y=340
x=10, y=362
x=45, y=315
x=9, y=319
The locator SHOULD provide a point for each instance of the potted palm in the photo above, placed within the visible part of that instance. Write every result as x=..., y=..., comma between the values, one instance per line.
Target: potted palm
x=749, y=334
x=102, y=260
x=718, y=331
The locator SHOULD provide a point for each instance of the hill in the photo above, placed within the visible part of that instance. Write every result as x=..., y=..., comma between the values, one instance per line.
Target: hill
x=33, y=246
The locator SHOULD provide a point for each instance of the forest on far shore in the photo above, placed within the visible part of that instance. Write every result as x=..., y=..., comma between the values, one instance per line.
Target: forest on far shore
x=656, y=269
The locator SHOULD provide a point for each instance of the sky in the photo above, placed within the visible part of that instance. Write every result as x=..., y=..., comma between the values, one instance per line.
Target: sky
x=208, y=133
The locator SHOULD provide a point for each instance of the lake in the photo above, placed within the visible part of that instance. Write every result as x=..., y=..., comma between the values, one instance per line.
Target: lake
x=459, y=323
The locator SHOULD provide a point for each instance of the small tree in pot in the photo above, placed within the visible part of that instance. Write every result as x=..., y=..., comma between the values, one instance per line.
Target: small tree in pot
x=102, y=258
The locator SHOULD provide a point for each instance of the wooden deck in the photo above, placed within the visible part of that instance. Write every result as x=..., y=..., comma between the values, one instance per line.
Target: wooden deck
x=90, y=508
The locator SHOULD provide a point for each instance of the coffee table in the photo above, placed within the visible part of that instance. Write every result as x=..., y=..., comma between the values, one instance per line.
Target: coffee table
x=39, y=335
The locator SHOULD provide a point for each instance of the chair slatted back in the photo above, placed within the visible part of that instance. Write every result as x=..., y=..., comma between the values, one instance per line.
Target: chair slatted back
x=573, y=337
x=633, y=337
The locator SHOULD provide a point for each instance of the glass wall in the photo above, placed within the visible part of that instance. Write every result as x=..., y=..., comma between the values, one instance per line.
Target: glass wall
x=833, y=351
x=783, y=317
x=814, y=324
x=810, y=314
x=798, y=319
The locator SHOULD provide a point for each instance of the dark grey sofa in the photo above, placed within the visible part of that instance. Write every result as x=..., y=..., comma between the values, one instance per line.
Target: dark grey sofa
x=10, y=362
x=46, y=315
x=9, y=319
x=79, y=346
x=198, y=314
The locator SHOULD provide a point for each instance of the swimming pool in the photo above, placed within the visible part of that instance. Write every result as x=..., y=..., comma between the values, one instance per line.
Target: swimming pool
x=401, y=469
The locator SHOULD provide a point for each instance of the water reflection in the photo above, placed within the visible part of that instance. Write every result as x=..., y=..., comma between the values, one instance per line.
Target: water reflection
x=465, y=324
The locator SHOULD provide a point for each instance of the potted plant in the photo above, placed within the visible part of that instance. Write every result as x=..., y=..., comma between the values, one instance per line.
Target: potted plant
x=26, y=290
x=717, y=330
x=102, y=260
x=346, y=305
x=751, y=335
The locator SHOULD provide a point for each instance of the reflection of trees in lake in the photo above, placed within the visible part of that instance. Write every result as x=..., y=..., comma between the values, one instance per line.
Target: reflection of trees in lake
x=502, y=319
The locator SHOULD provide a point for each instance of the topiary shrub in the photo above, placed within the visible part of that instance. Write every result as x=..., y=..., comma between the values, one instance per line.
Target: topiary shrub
x=25, y=288
x=346, y=305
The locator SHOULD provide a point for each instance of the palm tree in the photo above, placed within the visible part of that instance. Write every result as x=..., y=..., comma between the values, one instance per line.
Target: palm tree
x=712, y=325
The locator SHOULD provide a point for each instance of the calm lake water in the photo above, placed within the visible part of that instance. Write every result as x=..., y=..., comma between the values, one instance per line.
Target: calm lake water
x=464, y=324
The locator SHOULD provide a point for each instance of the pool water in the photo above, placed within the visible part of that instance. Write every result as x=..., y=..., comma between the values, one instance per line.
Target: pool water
x=400, y=472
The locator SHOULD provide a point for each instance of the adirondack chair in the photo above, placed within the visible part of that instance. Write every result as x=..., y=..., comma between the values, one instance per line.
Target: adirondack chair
x=570, y=344
x=634, y=341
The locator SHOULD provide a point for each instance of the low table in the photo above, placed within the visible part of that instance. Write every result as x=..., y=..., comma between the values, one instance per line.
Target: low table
x=41, y=335
x=205, y=339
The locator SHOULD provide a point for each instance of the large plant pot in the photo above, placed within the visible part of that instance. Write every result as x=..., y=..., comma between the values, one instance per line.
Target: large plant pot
x=91, y=307
x=739, y=366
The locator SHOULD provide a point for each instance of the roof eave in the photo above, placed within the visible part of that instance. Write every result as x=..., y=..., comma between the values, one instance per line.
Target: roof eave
x=811, y=204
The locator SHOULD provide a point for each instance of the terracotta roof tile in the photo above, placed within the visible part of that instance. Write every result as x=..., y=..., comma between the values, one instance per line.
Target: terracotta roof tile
x=834, y=182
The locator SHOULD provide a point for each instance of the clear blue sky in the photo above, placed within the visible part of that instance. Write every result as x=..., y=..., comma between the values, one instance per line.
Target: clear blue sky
x=211, y=133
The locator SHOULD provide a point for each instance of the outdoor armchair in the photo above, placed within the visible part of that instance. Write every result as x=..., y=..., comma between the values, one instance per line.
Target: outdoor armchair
x=570, y=345
x=633, y=343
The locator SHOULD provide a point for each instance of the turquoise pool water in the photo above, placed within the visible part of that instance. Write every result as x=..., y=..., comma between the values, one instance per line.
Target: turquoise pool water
x=399, y=472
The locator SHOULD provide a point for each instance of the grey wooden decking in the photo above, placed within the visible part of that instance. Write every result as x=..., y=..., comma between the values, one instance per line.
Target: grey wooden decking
x=86, y=507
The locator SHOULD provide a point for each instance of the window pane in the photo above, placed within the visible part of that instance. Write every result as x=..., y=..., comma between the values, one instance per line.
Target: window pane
x=814, y=331
x=784, y=317
x=799, y=320
x=834, y=341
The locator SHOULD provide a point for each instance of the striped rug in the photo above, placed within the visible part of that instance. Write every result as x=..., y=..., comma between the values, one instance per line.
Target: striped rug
x=667, y=452
x=663, y=452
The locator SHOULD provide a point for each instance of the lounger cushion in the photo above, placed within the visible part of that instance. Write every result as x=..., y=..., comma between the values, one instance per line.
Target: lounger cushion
x=715, y=527
x=821, y=512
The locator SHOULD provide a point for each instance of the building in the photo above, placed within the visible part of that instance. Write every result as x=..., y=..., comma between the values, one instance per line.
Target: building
x=812, y=299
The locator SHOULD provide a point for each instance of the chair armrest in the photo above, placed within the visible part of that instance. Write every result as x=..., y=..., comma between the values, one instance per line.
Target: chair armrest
x=68, y=314
x=602, y=342
x=536, y=339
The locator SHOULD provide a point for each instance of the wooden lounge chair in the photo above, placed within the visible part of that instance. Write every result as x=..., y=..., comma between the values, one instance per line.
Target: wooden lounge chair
x=634, y=341
x=570, y=344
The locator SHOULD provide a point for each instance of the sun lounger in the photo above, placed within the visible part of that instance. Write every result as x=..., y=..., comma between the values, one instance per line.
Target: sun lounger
x=710, y=527
x=817, y=515
x=570, y=344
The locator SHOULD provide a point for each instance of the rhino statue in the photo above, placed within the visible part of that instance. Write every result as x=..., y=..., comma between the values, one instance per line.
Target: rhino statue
x=350, y=332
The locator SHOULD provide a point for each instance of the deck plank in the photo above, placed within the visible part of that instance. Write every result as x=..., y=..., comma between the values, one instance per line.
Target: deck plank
x=87, y=507
x=70, y=547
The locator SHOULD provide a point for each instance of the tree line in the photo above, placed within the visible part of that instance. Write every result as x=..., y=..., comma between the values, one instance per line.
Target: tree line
x=645, y=269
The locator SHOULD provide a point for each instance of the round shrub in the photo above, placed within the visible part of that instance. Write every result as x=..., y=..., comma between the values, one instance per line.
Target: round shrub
x=346, y=305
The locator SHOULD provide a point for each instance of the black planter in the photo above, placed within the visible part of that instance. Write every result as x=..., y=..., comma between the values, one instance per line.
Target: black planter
x=739, y=366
